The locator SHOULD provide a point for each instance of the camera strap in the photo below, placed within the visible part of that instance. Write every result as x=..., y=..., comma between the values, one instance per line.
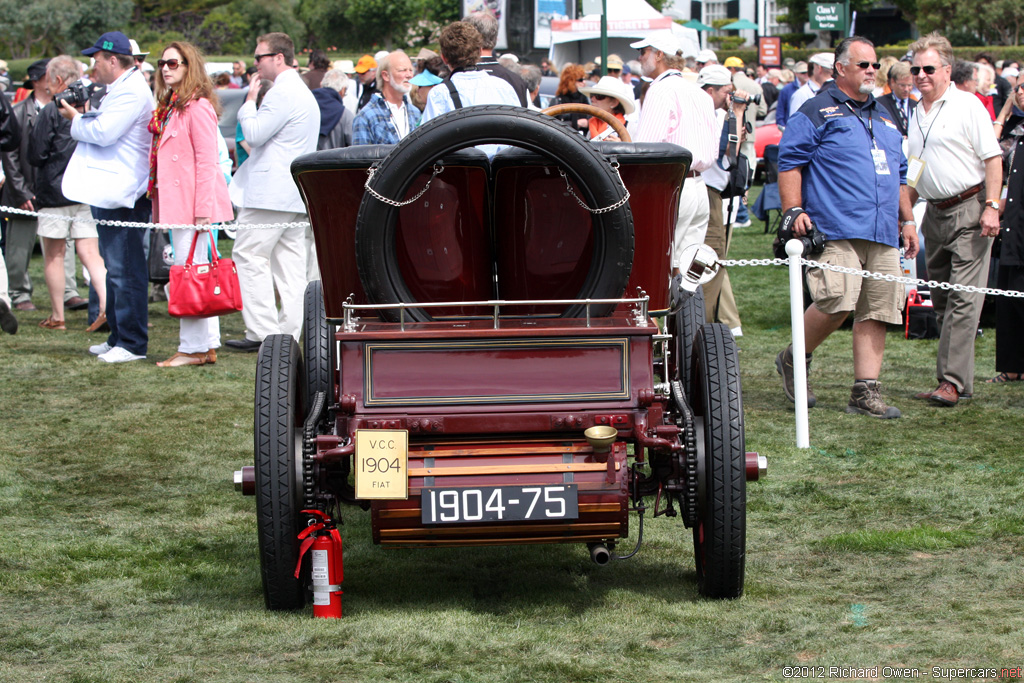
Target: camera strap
x=734, y=138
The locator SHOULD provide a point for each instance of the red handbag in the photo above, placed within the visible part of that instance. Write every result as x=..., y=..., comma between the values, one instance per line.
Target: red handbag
x=204, y=290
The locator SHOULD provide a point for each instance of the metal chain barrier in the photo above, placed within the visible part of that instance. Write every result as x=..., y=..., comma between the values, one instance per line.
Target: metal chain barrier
x=568, y=187
x=867, y=274
x=438, y=168
x=162, y=226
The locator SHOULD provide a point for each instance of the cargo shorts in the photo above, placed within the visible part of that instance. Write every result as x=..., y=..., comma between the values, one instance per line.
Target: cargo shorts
x=868, y=299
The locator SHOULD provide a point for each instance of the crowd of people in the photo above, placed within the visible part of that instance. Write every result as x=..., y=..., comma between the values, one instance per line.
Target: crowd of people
x=863, y=141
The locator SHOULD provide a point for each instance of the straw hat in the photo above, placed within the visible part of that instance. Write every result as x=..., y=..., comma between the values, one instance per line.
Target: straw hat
x=609, y=86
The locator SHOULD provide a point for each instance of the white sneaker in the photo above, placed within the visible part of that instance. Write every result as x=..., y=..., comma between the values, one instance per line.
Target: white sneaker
x=744, y=224
x=119, y=354
x=99, y=349
x=737, y=332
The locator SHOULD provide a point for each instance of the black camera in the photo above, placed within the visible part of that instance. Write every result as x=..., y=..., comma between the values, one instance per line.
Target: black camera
x=739, y=97
x=77, y=94
x=813, y=240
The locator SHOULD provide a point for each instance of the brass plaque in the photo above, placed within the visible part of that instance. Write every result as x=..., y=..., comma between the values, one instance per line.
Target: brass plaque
x=382, y=464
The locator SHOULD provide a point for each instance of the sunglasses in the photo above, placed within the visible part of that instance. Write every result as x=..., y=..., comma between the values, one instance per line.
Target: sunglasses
x=171, y=64
x=915, y=70
x=642, y=50
x=257, y=58
x=597, y=98
x=865, y=65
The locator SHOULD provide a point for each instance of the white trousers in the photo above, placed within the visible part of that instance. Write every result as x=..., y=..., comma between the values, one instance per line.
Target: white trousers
x=196, y=334
x=4, y=295
x=692, y=219
x=269, y=260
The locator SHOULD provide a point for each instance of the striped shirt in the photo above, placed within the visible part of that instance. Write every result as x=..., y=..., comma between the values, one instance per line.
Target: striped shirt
x=677, y=111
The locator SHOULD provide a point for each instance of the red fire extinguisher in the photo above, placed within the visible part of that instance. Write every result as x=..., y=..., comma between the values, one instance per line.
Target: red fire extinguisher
x=325, y=542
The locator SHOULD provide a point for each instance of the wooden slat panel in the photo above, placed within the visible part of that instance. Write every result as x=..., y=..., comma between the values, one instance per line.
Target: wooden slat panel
x=523, y=449
x=489, y=530
x=585, y=508
x=508, y=469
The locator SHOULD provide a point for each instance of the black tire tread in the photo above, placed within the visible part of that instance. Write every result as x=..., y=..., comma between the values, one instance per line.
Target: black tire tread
x=317, y=345
x=688, y=320
x=276, y=412
x=717, y=373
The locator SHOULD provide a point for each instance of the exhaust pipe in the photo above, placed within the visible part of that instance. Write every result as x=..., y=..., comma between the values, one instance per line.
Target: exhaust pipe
x=757, y=466
x=245, y=481
x=599, y=553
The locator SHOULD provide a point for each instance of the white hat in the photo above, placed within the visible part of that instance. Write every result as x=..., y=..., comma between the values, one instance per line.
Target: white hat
x=380, y=54
x=136, y=51
x=705, y=56
x=663, y=41
x=610, y=86
x=509, y=55
x=146, y=66
x=824, y=59
x=1010, y=72
x=714, y=74
x=346, y=65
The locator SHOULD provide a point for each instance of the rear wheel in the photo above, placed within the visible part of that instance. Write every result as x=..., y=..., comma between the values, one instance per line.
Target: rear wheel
x=687, y=320
x=719, y=537
x=317, y=345
x=278, y=456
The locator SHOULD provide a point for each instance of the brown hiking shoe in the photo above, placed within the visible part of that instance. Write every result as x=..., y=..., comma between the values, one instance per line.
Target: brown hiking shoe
x=866, y=399
x=784, y=364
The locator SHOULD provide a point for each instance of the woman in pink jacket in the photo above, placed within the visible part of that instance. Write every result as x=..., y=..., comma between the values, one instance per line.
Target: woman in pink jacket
x=185, y=181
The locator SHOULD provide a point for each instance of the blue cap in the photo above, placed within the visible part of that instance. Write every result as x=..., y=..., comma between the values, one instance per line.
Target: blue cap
x=425, y=78
x=111, y=41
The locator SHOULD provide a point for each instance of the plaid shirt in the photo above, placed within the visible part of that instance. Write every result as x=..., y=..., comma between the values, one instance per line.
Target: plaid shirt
x=373, y=124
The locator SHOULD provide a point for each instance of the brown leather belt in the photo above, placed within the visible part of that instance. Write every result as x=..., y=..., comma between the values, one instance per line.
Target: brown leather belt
x=963, y=196
x=693, y=174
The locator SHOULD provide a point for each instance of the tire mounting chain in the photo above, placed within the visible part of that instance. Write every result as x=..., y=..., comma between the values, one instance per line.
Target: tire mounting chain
x=309, y=433
x=690, y=493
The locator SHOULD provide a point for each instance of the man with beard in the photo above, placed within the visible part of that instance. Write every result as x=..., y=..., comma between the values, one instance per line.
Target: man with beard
x=841, y=165
x=389, y=115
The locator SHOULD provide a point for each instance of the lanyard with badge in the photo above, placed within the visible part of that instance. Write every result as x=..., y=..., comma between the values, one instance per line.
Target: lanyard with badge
x=915, y=165
x=877, y=155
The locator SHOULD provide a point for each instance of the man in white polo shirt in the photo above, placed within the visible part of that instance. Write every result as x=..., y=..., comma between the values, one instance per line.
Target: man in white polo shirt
x=675, y=110
x=955, y=164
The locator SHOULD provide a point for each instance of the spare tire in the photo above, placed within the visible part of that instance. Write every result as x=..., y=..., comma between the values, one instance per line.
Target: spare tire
x=596, y=181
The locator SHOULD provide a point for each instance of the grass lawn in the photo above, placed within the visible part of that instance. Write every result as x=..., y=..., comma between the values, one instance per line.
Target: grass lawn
x=126, y=555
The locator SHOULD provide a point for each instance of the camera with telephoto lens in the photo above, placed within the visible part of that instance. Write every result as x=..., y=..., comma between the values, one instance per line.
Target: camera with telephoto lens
x=813, y=240
x=739, y=97
x=77, y=94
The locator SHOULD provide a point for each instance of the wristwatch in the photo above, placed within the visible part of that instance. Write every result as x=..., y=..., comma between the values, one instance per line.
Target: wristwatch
x=905, y=223
x=993, y=204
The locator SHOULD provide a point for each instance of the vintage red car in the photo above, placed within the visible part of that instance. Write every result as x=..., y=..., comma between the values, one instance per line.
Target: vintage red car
x=495, y=354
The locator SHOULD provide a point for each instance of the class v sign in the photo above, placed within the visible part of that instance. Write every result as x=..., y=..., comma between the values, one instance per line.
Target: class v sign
x=826, y=17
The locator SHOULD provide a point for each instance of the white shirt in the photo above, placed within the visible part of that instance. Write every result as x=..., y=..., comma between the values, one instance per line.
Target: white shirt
x=400, y=116
x=954, y=138
x=715, y=176
x=110, y=166
x=677, y=111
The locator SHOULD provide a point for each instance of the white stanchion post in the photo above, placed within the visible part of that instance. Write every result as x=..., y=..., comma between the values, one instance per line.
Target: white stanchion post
x=796, y=312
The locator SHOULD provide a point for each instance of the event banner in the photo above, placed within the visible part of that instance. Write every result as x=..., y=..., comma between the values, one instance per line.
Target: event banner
x=545, y=12
x=497, y=8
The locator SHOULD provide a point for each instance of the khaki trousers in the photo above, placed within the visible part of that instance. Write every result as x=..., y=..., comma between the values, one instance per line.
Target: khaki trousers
x=957, y=253
x=719, y=303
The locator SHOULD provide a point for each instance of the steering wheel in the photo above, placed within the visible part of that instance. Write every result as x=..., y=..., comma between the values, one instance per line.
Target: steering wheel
x=590, y=110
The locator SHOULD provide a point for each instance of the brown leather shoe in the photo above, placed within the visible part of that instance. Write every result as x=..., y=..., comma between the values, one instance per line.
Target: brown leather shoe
x=211, y=356
x=100, y=321
x=25, y=306
x=924, y=395
x=76, y=303
x=945, y=395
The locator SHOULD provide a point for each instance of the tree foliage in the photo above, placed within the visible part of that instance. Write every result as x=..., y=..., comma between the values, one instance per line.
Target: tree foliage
x=55, y=26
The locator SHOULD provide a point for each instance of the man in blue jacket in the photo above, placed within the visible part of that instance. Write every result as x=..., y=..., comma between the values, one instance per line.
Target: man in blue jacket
x=110, y=171
x=841, y=165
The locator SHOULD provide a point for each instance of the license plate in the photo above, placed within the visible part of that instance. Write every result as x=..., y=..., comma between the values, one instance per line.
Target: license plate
x=499, y=504
x=382, y=464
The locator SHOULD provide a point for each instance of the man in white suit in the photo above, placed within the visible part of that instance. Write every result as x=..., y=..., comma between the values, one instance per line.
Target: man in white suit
x=109, y=171
x=286, y=125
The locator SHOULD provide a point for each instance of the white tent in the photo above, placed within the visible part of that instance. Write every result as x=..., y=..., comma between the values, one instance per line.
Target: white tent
x=579, y=40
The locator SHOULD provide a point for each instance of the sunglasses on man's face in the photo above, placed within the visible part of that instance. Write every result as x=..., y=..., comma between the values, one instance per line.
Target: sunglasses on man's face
x=915, y=70
x=171, y=64
x=865, y=65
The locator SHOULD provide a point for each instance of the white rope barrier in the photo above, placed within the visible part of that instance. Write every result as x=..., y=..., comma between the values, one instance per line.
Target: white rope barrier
x=161, y=226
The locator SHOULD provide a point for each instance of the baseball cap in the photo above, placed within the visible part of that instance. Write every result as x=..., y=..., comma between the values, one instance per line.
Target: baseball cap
x=346, y=65
x=136, y=51
x=705, y=56
x=425, y=78
x=112, y=41
x=36, y=70
x=800, y=68
x=380, y=54
x=365, y=63
x=714, y=74
x=734, y=62
x=825, y=59
x=663, y=41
